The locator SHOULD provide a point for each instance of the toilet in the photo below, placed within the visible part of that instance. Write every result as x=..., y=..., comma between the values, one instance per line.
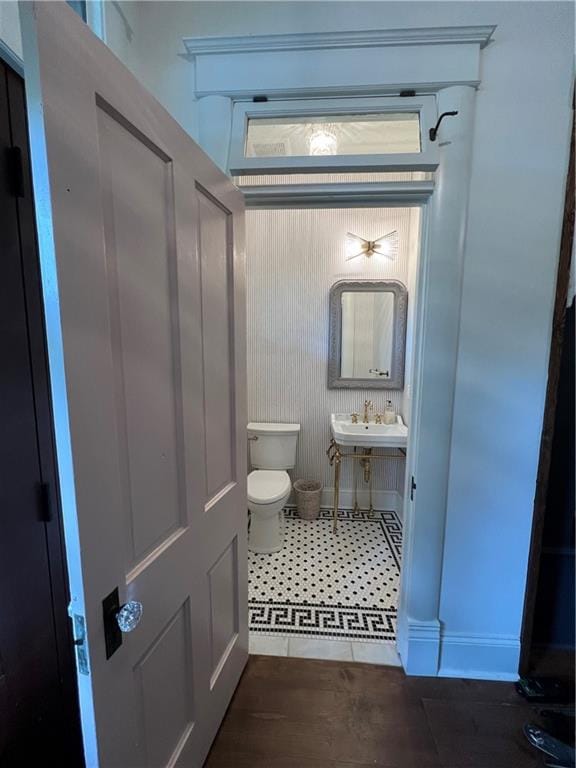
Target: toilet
x=272, y=452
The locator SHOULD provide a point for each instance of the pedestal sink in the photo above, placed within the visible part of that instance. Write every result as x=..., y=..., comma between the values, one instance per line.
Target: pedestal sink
x=370, y=435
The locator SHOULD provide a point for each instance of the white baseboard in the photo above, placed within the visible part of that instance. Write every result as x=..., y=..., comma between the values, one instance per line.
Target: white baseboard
x=479, y=657
x=420, y=647
x=427, y=650
x=383, y=501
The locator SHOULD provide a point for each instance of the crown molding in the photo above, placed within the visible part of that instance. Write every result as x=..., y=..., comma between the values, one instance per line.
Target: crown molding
x=205, y=46
x=326, y=92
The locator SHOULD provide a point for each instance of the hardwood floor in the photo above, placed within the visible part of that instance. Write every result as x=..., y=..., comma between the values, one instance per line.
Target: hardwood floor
x=301, y=713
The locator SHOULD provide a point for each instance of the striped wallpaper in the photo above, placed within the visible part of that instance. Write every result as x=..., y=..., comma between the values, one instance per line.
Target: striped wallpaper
x=331, y=178
x=293, y=258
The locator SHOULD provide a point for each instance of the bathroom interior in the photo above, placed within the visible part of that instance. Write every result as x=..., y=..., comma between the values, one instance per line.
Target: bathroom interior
x=331, y=311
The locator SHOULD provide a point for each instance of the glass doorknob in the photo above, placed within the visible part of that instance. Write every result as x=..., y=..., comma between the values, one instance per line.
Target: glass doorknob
x=129, y=615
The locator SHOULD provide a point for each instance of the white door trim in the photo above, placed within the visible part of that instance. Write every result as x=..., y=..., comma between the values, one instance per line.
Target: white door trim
x=369, y=195
x=365, y=38
x=12, y=59
x=340, y=196
x=249, y=65
x=436, y=355
x=438, y=292
x=364, y=64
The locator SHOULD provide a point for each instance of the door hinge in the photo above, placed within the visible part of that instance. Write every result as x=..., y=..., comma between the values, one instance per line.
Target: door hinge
x=44, y=503
x=412, y=488
x=15, y=171
x=79, y=635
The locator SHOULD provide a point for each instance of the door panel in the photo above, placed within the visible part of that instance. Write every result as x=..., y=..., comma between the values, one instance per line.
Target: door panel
x=217, y=315
x=224, y=353
x=167, y=720
x=138, y=219
x=224, y=607
x=141, y=246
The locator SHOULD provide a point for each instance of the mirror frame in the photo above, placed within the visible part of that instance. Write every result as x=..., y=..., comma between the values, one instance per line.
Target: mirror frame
x=396, y=379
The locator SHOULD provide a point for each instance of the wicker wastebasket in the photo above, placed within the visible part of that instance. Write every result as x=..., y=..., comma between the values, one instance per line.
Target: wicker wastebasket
x=308, y=494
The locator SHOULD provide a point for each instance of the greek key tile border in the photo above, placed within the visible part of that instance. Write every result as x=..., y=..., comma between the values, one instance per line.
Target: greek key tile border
x=308, y=620
x=334, y=621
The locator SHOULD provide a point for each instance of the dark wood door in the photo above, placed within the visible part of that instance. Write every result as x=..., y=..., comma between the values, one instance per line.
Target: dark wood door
x=554, y=609
x=39, y=722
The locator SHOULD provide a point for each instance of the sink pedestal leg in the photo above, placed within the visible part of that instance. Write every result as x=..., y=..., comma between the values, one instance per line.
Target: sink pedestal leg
x=356, y=507
x=335, y=457
x=371, y=507
x=336, y=489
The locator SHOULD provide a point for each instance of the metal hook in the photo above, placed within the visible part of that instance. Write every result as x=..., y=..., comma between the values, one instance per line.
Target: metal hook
x=433, y=132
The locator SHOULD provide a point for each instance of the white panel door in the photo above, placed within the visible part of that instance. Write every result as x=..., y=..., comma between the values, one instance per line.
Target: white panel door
x=141, y=240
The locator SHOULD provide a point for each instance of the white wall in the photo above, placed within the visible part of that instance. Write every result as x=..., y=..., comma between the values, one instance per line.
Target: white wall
x=293, y=258
x=122, y=31
x=162, y=68
x=517, y=185
x=516, y=204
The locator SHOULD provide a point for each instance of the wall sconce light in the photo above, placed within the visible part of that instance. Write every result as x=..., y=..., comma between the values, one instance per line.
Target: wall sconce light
x=385, y=246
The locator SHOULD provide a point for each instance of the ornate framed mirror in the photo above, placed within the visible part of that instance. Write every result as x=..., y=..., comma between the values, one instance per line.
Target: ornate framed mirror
x=367, y=346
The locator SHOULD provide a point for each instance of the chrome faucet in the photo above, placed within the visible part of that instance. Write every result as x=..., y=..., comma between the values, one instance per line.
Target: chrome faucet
x=367, y=407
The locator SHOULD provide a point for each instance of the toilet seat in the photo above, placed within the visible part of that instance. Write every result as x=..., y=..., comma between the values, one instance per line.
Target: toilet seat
x=265, y=486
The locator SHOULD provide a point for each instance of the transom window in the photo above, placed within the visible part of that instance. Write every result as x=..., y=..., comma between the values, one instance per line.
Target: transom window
x=333, y=135
x=370, y=134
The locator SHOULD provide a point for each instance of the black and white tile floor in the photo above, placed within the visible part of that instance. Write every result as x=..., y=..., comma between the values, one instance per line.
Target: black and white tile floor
x=325, y=586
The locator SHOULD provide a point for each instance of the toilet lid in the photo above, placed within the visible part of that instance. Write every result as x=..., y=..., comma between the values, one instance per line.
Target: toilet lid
x=266, y=485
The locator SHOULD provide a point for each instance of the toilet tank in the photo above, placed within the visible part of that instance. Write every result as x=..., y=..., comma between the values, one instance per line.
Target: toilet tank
x=274, y=446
